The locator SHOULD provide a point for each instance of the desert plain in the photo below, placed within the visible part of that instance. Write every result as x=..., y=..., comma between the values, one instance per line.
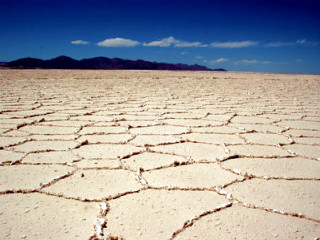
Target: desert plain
x=97, y=154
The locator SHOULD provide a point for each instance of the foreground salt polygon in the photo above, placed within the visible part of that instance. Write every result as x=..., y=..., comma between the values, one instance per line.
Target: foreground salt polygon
x=159, y=155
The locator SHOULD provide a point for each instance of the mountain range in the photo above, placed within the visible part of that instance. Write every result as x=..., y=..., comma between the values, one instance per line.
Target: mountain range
x=64, y=62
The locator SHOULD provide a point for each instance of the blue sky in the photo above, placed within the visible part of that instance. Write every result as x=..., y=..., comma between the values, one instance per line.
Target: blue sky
x=258, y=36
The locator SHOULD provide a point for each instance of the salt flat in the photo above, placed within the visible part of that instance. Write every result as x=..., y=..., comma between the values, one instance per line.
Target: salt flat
x=159, y=155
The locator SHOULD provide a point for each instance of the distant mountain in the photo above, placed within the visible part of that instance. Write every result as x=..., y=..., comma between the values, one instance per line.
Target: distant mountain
x=219, y=70
x=28, y=63
x=3, y=64
x=64, y=62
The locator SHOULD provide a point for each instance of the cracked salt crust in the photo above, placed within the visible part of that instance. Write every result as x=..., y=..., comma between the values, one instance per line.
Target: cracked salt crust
x=30, y=113
x=293, y=196
x=9, y=157
x=311, y=141
x=250, y=119
x=84, y=184
x=53, y=137
x=191, y=122
x=222, y=129
x=92, y=118
x=101, y=124
x=136, y=123
x=8, y=126
x=50, y=157
x=36, y=129
x=102, y=130
x=135, y=144
x=213, y=138
x=37, y=216
x=187, y=115
x=295, y=167
x=312, y=118
x=110, y=138
x=277, y=116
x=37, y=146
x=305, y=150
x=106, y=151
x=98, y=163
x=265, y=138
x=151, y=140
x=257, y=151
x=258, y=127
x=159, y=130
x=309, y=125
x=63, y=123
x=28, y=177
x=221, y=118
x=16, y=133
x=137, y=117
x=303, y=133
x=242, y=223
x=165, y=210
x=9, y=141
x=190, y=176
x=149, y=161
x=196, y=151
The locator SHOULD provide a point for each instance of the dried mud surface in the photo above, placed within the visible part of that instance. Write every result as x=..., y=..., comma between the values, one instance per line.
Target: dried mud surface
x=159, y=155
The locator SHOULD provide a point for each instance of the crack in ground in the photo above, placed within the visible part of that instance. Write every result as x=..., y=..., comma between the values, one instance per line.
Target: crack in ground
x=191, y=221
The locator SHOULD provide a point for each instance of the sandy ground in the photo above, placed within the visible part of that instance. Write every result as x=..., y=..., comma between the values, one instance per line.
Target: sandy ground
x=159, y=155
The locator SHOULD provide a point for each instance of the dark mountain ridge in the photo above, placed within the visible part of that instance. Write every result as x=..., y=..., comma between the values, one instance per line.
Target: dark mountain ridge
x=64, y=62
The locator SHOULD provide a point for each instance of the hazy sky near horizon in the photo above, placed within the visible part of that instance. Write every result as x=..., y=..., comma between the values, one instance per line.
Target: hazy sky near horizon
x=238, y=35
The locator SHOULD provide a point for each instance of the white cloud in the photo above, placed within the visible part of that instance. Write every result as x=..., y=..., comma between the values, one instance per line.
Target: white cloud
x=233, y=44
x=189, y=44
x=280, y=44
x=171, y=41
x=301, y=41
x=254, y=61
x=199, y=57
x=219, y=60
x=118, y=42
x=165, y=42
x=297, y=42
x=79, y=42
x=184, y=53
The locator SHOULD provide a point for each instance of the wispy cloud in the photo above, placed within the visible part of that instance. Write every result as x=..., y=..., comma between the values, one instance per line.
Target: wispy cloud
x=280, y=44
x=240, y=44
x=240, y=62
x=118, y=42
x=253, y=61
x=79, y=42
x=199, y=57
x=293, y=43
x=219, y=60
x=184, y=53
x=165, y=42
x=306, y=42
x=171, y=41
x=301, y=41
x=189, y=44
